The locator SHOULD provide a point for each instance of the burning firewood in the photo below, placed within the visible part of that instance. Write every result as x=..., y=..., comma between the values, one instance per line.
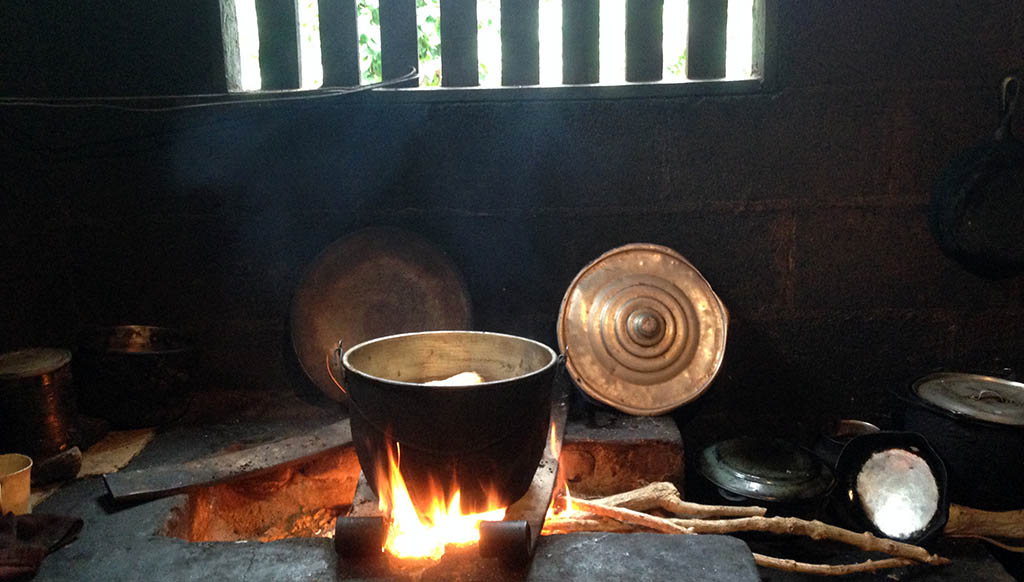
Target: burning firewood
x=619, y=513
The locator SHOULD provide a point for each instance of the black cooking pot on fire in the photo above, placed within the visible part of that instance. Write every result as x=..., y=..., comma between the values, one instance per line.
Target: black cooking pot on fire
x=484, y=438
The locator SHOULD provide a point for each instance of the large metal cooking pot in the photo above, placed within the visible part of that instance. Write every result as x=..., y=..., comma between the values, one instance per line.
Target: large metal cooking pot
x=976, y=424
x=475, y=437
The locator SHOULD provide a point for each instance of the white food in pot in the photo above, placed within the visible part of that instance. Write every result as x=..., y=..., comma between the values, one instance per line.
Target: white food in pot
x=460, y=379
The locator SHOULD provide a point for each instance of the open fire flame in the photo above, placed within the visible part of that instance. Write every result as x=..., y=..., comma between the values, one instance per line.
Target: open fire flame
x=415, y=534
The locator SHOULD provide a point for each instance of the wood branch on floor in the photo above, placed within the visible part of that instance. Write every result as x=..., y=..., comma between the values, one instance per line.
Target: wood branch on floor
x=625, y=512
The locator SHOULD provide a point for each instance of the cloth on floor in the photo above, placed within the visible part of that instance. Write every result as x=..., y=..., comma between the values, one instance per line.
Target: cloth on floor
x=26, y=539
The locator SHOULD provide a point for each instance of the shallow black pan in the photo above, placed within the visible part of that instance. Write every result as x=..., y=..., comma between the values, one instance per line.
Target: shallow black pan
x=977, y=206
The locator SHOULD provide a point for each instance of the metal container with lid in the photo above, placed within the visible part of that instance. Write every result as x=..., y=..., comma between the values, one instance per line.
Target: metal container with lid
x=642, y=330
x=774, y=472
x=974, y=396
x=37, y=406
x=976, y=424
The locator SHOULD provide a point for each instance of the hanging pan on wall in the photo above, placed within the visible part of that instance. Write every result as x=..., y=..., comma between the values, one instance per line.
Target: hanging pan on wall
x=977, y=206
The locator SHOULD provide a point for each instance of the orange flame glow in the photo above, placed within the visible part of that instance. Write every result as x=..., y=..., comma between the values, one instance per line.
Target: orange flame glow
x=412, y=534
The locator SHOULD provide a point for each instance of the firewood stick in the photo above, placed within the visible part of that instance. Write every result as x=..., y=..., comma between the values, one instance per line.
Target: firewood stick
x=815, y=530
x=969, y=522
x=830, y=569
x=664, y=495
x=660, y=524
x=779, y=525
x=574, y=524
x=997, y=543
x=557, y=524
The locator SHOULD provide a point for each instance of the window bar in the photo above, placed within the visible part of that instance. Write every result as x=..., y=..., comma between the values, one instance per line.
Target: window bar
x=398, y=39
x=520, y=45
x=279, y=44
x=705, y=45
x=339, y=43
x=758, y=40
x=458, y=44
x=580, y=40
x=643, y=40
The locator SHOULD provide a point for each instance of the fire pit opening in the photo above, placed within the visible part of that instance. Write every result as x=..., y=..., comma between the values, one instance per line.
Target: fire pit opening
x=298, y=501
x=304, y=500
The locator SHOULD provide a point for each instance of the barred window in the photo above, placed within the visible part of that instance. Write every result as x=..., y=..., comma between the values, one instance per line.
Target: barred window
x=474, y=45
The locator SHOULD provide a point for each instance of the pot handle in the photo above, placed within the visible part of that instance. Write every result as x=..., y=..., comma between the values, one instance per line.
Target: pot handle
x=1009, y=96
x=335, y=369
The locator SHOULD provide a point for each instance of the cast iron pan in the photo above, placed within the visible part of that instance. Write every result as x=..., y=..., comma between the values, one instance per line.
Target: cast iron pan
x=977, y=206
x=847, y=495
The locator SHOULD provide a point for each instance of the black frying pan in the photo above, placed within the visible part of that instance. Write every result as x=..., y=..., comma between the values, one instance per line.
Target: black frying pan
x=977, y=207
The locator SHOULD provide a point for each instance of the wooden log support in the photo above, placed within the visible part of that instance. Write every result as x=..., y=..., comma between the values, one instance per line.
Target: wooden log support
x=459, y=65
x=520, y=44
x=279, y=44
x=705, y=41
x=643, y=40
x=398, y=39
x=580, y=42
x=339, y=43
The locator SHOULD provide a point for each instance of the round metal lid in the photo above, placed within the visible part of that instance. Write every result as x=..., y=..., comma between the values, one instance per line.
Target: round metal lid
x=642, y=330
x=765, y=469
x=975, y=396
x=372, y=283
x=32, y=362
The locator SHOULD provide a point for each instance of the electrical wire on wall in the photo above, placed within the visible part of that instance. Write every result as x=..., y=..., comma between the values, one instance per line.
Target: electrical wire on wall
x=28, y=143
x=218, y=99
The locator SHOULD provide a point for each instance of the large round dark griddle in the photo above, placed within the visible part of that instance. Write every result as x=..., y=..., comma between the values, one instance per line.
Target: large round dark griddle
x=374, y=282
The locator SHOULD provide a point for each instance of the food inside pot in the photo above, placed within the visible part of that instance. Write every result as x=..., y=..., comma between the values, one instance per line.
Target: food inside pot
x=428, y=357
x=460, y=379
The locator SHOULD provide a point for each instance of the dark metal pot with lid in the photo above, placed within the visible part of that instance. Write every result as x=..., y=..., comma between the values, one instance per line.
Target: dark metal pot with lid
x=485, y=438
x=777, y=474
x=976, y=424
x=135, y=375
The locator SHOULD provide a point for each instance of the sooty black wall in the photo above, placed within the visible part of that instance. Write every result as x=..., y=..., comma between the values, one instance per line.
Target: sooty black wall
x=805, y=207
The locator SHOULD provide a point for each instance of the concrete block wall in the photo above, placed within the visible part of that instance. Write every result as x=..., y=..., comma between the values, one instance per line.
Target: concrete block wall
x=804, y=206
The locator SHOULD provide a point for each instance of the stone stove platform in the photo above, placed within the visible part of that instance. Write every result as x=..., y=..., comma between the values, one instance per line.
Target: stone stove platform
x=603, y=453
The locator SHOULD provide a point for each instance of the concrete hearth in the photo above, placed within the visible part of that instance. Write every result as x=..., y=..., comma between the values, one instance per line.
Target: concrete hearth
x=212, y=533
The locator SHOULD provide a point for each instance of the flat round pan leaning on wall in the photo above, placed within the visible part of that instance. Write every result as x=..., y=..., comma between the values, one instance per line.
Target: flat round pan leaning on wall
x=374, y=282
x=642, y=330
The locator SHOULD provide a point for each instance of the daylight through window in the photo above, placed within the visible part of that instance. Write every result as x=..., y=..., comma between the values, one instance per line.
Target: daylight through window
x=732, y=29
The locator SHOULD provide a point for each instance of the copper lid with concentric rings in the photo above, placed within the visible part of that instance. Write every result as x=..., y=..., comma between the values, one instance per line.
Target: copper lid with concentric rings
x=642, y=330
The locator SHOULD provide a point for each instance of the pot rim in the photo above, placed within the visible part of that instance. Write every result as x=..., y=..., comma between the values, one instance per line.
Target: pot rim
x=89, y=336
x=350, y=369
